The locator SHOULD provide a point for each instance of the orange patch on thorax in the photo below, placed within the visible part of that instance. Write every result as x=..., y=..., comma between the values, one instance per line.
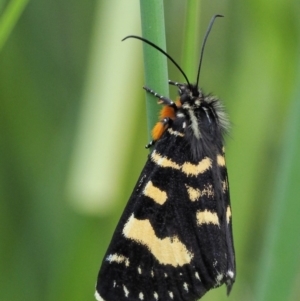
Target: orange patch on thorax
x=166, y=112
x=158, y=130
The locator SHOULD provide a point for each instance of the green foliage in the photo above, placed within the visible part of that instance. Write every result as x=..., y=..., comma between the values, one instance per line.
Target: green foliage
x=279, y=266
x=155, y=64
x=73, y=127
x=9, y=18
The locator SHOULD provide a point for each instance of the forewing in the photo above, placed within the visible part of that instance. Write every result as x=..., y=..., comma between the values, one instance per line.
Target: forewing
x=173, y=239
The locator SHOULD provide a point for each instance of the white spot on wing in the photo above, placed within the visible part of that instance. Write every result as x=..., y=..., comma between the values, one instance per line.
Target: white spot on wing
x=155, y=295
x=141, y=180
x=185, y=286
x=139, y=270
x=98, y=297
x=197, y=276
x=230, y=273
x=171, y=295
x=126, y=291
x=141, y=296
x=118, y=258
x=228, y=214
x=219, y=278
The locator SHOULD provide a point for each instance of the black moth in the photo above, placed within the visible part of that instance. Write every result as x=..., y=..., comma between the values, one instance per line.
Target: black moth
x=174, y=240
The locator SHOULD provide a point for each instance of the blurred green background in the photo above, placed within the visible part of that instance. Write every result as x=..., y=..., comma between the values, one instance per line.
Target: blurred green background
x=73, y=130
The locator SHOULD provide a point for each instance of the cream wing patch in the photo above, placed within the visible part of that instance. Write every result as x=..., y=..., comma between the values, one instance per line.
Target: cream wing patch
x=224, y=185
x=157, y=195
x=207, y=217
x=194, y=193
x=195, y=169
x=221, y=160
x=169, y=250
x=188, y=168
x=208, y=191
x=163, y=161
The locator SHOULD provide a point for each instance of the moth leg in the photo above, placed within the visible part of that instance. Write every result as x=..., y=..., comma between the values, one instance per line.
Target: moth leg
x=158, y=130
x=174, y=83
x=178, y=85
x=151, y=143
x=162, y=99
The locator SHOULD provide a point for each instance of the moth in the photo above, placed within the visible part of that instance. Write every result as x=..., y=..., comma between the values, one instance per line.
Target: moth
x=174, y=239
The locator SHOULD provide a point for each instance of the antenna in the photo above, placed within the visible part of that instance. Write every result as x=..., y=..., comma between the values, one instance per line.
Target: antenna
x=203, y=44
x=162, y=51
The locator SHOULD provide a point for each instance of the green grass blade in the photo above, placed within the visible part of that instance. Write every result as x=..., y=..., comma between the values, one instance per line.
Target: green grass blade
x=280, y=259
x=10, y=18
x=191, y=42
x=156, y=71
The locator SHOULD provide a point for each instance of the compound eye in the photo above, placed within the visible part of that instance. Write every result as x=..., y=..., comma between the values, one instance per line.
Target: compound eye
x=184, y=98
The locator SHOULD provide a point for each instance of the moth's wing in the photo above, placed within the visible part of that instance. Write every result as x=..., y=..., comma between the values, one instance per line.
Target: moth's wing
x=231, y=267
x=214, y=224
x=169, y=245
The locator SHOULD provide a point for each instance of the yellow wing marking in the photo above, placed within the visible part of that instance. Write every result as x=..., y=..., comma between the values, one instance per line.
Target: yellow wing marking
x=169, y=250
x=153, y=192
x=207, y=217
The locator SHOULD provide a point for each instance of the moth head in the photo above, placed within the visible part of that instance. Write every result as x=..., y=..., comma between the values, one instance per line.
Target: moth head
x=190, y=95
